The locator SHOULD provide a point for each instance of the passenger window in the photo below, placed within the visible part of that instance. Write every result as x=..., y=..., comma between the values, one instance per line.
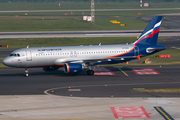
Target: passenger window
x=18, y=55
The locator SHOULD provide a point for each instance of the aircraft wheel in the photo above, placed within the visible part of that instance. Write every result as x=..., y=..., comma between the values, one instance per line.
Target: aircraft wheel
x=90, y=72
x=26, y=74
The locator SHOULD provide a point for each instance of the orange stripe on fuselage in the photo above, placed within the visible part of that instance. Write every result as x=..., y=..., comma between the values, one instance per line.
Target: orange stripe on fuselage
x=59, y=64
x=122, y=53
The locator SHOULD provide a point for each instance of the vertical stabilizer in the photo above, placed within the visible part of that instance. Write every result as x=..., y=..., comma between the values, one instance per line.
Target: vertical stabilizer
x=150, y=34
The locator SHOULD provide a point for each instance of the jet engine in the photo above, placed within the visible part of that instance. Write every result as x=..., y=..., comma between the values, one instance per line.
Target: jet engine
x=50, y=68
x=72, y=67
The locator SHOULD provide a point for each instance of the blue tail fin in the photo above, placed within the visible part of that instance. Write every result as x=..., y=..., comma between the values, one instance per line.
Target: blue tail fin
x=150, y=34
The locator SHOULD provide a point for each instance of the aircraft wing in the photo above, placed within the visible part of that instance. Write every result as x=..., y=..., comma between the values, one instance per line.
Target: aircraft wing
x=91, y=61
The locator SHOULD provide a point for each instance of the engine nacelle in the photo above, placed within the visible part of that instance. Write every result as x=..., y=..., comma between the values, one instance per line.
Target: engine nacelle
x=50, y=68
x=72, y=67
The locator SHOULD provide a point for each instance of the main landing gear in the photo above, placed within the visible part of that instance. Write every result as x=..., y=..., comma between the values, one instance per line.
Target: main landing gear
x=90, y=71
x=26, y=73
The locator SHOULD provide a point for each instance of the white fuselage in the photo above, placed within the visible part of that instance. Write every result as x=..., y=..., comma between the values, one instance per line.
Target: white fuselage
x=49, y=56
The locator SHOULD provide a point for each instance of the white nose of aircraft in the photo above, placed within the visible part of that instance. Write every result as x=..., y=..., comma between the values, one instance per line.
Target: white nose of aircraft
x=7, y=61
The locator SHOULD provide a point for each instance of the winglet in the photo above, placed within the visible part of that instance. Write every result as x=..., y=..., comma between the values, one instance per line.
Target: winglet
x=139, y=56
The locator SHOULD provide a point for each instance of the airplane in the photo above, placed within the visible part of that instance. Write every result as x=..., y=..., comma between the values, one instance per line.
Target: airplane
x=75, y=59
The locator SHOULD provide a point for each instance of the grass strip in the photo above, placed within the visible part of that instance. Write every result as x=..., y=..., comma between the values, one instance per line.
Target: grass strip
x=1, y=58
x=112, y=14
x=142, y=64
x=66, y=23
x=166, y=90
x=174, y=54
x=46, y=42
x=3, y=66
x=83, y=5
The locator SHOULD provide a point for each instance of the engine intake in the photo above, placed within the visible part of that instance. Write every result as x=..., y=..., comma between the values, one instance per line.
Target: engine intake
x=72, y=67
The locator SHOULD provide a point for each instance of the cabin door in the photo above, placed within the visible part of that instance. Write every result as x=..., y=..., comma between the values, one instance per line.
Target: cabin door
x=28, y=55
x=136, y=51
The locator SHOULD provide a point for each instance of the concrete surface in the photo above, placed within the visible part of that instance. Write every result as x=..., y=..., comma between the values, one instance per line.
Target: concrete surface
x=58, y=107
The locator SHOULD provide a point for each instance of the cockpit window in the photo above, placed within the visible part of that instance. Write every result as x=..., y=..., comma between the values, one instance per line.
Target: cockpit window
x=15, y=55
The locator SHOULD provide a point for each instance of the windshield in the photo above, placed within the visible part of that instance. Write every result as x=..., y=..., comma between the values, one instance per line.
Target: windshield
x=15, y=55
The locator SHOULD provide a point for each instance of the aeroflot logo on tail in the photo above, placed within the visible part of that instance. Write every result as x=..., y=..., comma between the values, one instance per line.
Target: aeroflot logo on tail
x=150, y=33
x=53, y=49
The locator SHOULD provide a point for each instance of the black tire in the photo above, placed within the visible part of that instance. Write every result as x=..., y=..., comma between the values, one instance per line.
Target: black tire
x=26, y=74
x=90, y=72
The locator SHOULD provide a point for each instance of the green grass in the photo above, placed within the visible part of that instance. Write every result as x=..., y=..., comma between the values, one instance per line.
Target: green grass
x=2, y=65
x=166, y=90
x=39, y=42
x=54, y=21
x=173, y=62
x=66, y=24
x=175, y=54
x=82, y=5
x=133, y=12
x=160, y=63
x=97, y=13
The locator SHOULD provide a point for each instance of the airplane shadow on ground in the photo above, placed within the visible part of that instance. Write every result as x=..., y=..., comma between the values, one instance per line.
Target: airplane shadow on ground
x=114, y=69
x=59, y=72
x=43, y=73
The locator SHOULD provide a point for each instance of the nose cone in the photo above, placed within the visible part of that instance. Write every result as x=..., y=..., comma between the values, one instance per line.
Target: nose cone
x=7, y=61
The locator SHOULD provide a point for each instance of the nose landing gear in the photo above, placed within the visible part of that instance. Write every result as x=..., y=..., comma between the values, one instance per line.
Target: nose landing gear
x=26, y=73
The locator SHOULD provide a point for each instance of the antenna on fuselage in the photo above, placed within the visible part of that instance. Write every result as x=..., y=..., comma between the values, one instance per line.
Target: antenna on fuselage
x=28, y=46
x=99, y=44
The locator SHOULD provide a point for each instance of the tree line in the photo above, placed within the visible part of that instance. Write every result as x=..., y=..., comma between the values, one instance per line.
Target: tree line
x=36, y=1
